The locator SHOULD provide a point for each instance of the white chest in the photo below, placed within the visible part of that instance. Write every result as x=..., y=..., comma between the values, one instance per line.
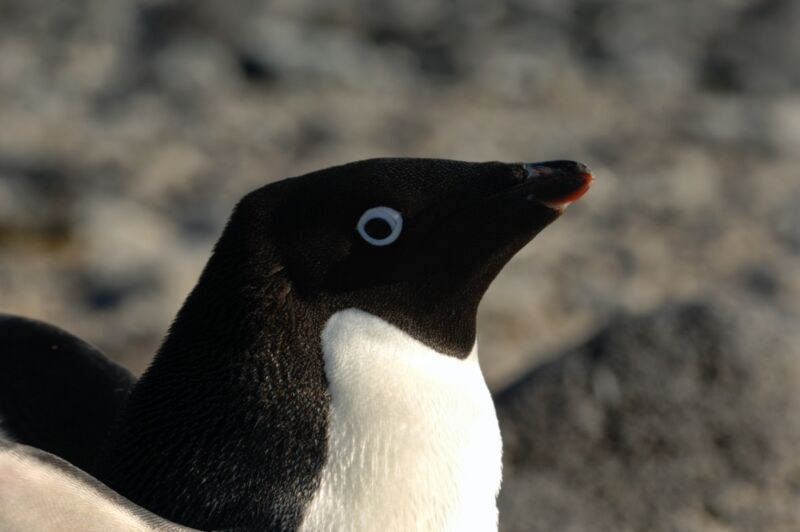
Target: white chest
x=414, y=442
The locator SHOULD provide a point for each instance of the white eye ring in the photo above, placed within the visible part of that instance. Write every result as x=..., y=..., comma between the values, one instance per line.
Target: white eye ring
x=392, y=218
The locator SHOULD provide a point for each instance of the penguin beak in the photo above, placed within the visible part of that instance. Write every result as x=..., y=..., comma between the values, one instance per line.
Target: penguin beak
x=495, y=227
x=555, y=184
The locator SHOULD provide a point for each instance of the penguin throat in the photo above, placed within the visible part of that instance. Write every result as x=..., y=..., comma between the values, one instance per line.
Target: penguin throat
x=413, y=437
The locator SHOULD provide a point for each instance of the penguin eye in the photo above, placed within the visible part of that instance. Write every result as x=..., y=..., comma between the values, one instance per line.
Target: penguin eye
x=380, y=226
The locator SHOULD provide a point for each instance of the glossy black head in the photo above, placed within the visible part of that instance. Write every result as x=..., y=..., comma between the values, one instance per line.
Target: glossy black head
x=414, y=241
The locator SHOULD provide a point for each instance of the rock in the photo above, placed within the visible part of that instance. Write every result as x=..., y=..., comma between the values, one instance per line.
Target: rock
x=686, y=414
x=786, y=223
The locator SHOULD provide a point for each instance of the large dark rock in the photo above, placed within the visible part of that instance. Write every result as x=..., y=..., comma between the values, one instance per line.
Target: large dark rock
x=685, y=419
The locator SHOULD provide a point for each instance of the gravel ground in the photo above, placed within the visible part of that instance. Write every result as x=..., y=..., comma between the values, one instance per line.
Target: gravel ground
x=130, y=129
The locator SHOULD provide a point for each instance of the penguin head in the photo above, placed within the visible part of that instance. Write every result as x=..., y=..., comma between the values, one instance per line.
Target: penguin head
x=416, y=242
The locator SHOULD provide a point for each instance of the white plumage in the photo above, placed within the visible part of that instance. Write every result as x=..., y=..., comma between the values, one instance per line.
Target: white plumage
x=414, y=442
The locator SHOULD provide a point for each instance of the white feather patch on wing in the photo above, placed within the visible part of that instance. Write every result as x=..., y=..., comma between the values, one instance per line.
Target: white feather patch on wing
x=414, y=442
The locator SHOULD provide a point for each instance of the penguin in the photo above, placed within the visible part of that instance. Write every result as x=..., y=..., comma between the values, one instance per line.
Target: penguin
x=42, y=492
x=323, y=373
x=57, y=393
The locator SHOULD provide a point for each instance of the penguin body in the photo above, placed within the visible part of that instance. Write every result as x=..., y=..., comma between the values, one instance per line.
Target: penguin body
x=57, y=393
x=323, y=374
x=42, y=492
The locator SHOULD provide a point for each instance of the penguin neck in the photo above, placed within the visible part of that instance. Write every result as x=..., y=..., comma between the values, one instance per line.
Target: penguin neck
x=198, y=434
x=413, y=438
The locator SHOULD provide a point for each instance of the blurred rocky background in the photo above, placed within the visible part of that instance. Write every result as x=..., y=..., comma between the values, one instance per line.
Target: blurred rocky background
x=644, y=350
